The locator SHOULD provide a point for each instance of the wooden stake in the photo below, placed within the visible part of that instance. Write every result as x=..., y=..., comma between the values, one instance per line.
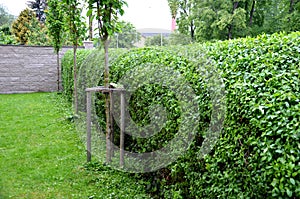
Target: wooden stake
x=112, y=124
x=88, y=122
x=122, y=129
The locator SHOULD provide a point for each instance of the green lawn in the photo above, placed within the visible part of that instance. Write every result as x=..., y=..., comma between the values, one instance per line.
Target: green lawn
x=41, y=155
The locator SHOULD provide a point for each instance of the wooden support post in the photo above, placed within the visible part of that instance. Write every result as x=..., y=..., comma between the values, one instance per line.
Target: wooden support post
x=111, y=123
x=88, y=123
x=108, y=127
x=122, y=129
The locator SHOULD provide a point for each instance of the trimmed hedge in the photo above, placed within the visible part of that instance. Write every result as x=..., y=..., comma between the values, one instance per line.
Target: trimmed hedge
x=257, y=154
x=67, y=70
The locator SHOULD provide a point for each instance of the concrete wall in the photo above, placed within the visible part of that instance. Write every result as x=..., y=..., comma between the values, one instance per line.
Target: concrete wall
x=28, y=69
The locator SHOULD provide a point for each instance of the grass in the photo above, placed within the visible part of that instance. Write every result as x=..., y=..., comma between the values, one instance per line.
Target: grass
x=42, y=156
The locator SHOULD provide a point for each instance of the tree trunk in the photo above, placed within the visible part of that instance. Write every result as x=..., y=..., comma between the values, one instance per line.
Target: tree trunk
x=90, y=23
x=90, y=28
x=230, y=28
x=292, y=3
x=75, y=81
x=107, y=103
x=58, y=71
x=229, y=36
x=252, y=13
x=192, y=31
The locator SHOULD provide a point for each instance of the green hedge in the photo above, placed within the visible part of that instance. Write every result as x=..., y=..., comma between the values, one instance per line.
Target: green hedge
x=257, y=154
x=67, y=66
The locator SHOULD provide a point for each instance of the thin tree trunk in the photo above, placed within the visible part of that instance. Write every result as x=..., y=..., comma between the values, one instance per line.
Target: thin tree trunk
x=252, y=13
x=230, y=31
x=230, y=28
x=292, y=3
x=75, y=80
x=192, y=31
x=90, y=28
x=107, y=103
x=58, y=71
x=90, y=22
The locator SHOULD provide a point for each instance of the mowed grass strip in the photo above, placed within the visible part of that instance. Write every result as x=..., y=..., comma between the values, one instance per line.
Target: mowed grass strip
x=41, y=155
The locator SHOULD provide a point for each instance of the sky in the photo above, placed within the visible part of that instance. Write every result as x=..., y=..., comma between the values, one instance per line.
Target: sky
x=141, y=13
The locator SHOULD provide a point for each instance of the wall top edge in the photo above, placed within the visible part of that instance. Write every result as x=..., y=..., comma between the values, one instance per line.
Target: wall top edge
x=29, y=46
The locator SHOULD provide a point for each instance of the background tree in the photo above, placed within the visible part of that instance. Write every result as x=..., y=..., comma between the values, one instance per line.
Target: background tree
x=156, y=40
x=176, y=38
x=38, y=34
x=55, y=24
x=5, y=18
x=126, y=38
x=7, y=38
x=39, y=6
x=218, y=19
x=91, y=18
x=186, y=21
x=226, y=19
x=28, y=30
x=173, y=5
x=20, y=26
x=76, y=28
x=293, y=18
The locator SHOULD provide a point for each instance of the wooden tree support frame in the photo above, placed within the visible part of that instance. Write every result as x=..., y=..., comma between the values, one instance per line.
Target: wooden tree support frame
x=109, y=138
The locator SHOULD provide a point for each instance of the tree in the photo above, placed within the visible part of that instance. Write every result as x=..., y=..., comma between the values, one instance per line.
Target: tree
x=28, y=30
x=173, y=5
x=38, y=33
x=186, y=21
x=6, y=39
x=176, y=38
x=156, y=40
x=76, y=28
x=219, y=19
x=39, y=6
x=90, y=7
x=126, y=38
x=6, y=19
x=107, y=15
x=292, y=20
x=55, y=24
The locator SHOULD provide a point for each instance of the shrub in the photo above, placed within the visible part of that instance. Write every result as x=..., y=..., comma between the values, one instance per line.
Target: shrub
x=257, y=154
x=67, y=65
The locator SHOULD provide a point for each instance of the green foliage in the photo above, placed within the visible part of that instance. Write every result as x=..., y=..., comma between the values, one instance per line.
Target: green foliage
x=5, y=17
x=90, y=70
x=107, y=15
x=20, y=26
x=55, y=23
x=177, y=38
x=225, y=19
x=38, y=34
x=257, y=155
x=173, y=5
x=27, y=29
x=75, y=22
x=67, y=67
x=126, y=38
x=6, y=38
x=157, y=40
